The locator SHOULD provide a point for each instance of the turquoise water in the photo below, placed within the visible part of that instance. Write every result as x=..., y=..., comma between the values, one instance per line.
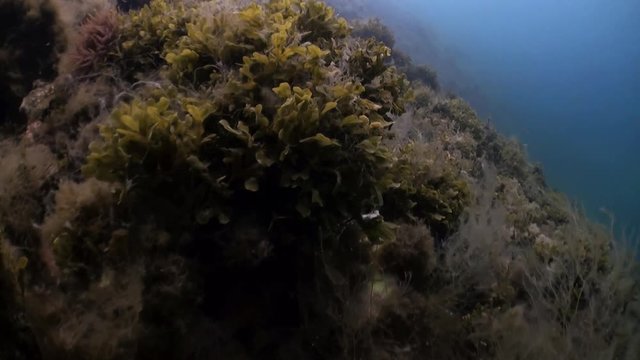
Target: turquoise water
x=561, y=76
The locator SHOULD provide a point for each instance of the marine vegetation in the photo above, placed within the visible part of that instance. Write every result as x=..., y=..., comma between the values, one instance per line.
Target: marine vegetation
x=96, y=35
x=258, y=180
x=375, y=29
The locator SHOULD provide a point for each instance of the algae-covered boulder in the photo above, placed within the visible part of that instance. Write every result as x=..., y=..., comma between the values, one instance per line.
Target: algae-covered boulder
x=261, y=147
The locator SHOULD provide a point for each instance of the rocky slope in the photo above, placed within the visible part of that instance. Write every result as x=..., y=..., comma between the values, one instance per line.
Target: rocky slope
x=213, y=179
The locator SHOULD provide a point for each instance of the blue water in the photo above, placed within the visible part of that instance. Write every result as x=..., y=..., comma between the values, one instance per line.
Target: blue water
x=563, y=76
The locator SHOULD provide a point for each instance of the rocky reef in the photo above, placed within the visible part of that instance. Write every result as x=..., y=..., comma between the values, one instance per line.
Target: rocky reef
x=239, y=180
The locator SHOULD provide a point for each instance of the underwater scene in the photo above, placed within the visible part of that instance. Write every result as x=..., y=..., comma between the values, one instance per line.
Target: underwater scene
x=305, y=179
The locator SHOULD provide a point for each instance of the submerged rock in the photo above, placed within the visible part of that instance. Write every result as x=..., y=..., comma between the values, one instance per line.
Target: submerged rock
x=252, y=181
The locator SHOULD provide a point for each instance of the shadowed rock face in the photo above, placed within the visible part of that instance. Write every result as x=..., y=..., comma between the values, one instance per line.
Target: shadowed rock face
x=126, y=5
x=16, y=339
x=30, y=39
